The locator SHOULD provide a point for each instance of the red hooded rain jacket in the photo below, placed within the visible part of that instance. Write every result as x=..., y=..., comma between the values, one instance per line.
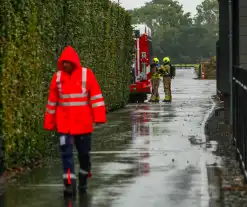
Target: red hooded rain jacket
x=75, y=100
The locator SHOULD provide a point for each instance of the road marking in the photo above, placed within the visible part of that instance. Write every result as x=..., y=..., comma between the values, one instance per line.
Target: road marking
x=44, y=185
x=139, y=151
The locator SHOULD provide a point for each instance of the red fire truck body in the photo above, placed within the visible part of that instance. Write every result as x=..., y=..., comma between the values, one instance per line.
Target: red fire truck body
x=141, y=84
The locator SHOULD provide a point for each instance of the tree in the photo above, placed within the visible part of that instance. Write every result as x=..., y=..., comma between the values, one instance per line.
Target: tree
x=176, y=33
x=162, y=13
x=208, y=17
x=207, y=13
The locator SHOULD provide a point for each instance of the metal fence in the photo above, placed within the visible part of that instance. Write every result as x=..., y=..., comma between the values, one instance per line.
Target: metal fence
x=240, y=115
x=239, y=91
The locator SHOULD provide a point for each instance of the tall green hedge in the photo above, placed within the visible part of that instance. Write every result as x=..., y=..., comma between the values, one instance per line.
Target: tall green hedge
x=33, y=33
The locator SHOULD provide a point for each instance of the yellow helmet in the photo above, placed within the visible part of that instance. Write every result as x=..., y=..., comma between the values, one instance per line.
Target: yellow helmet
x=166, y=59
x=156, y=60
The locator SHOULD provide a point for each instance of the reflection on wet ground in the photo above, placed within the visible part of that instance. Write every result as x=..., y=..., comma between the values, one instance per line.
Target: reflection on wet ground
x=147, y=155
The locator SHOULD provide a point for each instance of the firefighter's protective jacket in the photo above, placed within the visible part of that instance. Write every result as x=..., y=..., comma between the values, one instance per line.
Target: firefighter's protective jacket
x=154, y=73
x=164, y=70
x=75, y=100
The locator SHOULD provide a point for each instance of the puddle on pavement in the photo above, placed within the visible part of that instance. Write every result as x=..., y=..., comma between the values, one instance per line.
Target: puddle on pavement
x=142, y=157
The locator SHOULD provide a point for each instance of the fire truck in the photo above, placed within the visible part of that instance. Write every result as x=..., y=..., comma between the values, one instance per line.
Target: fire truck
x=141, y=84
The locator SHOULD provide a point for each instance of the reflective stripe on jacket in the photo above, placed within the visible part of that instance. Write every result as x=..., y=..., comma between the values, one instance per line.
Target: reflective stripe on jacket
x=75, y=100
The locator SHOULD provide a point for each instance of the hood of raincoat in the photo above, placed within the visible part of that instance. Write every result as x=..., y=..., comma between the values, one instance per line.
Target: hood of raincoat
x=69, y=54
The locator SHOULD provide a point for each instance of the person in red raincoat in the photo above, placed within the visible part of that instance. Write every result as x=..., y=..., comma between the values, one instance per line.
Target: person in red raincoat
x=75, y=103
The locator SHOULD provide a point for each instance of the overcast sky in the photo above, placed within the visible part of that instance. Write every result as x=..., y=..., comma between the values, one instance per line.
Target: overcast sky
x=189, y=5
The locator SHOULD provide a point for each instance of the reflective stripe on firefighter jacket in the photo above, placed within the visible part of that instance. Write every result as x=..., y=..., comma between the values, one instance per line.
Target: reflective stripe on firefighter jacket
x=75, y=100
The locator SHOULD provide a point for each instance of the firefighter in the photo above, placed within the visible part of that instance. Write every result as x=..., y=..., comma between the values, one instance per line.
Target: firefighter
x=155, y=80
x=75, y=103
x=165, y=71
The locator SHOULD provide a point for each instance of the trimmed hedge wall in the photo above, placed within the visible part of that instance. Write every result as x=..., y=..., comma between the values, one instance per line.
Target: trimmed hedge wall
x=33, y=34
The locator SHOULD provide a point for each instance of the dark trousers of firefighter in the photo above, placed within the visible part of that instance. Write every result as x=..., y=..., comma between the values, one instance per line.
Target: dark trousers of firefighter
x=155, y=88
x=83, y=146
x=167, y=88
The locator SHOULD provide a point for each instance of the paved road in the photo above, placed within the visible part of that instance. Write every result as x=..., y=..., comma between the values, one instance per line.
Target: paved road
x=142, y=157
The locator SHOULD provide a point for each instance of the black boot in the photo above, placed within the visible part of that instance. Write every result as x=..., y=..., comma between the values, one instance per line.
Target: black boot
x=69, y=188
x=82, y=183
x=167, y=101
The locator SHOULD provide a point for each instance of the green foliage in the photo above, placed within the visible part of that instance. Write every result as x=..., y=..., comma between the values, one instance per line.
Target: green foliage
x=175, y=34
x=207, y=13
x=33, y=33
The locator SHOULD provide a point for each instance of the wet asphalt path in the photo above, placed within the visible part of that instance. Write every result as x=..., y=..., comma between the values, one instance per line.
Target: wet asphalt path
x=141, y=157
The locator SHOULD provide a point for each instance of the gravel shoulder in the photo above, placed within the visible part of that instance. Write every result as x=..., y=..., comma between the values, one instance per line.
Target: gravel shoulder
x=233, y=189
